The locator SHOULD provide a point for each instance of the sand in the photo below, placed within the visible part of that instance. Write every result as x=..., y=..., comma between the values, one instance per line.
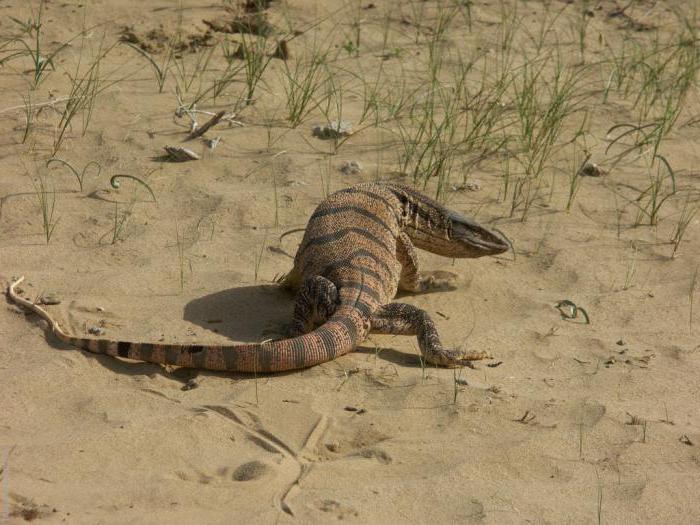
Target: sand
x=567, y=422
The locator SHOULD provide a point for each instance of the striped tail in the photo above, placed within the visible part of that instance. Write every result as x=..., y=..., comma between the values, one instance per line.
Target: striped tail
x=338, y=336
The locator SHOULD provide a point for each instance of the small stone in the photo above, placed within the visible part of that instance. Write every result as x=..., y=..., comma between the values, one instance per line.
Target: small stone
x=470, y=185
x=590, y=169
x=191, y=384
x=96, y=330
x=686, y=440
x=49, y=299
x=350, y=167
x=180, y=154
x=333, y=130
x=212, y=143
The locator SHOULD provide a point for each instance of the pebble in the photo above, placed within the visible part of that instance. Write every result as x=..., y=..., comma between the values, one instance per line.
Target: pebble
x=49, y=299
x=470, y=185
x=591, y=169
x=333, y=130
x=212, y=143
x=180, y=154
x=191, y=384
x=350, y=167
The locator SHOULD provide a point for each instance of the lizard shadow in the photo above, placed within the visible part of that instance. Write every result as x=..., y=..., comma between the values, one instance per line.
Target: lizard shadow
x=390, y=355
x=254, y=313
x=246, y=314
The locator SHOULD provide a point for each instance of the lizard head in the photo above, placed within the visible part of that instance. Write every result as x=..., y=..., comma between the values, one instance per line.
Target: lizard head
x=436, y=229
x=468, y=238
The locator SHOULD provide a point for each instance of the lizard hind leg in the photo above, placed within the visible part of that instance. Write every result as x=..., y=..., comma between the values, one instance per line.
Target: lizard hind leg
x=316, y=301
x=406, y=319
x=414, y=280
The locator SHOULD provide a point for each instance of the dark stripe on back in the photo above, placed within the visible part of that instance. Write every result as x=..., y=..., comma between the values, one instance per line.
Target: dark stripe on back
x=348, y=263
x=372, y=195
x=339, y=234
x=362, y=287
x=365, y=309
x=332, y=210
x=366, y=271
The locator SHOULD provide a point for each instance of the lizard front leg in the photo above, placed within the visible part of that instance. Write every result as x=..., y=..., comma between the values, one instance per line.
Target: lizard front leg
x=406, y=319
x=412, y=279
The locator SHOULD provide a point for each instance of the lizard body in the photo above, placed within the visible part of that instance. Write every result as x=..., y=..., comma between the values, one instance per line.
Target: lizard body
x=358, y=250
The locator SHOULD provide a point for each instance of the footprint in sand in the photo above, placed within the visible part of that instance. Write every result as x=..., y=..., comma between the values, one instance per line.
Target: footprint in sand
x=374, y=453
x=354, y=441
x=250, y=471
x=336, y=508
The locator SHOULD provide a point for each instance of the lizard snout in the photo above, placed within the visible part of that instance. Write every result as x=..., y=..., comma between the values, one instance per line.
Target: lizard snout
x=475, y=240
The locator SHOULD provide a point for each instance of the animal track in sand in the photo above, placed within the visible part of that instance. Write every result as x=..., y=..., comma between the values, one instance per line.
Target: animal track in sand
x=251, y=471
x=292, y=463
x=354, y=440
x=337, y=509
x=374, y=453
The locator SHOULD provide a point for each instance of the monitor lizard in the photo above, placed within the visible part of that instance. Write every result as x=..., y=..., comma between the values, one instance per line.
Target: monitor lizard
x=359, y=249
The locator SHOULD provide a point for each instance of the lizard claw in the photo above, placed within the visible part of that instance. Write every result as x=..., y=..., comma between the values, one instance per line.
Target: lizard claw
x=449, y=359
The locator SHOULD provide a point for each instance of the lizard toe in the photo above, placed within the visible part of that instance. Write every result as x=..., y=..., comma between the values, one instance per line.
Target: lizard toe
x=448, y=359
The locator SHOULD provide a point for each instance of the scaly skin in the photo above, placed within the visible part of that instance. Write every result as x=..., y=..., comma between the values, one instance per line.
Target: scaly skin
x=358, y=250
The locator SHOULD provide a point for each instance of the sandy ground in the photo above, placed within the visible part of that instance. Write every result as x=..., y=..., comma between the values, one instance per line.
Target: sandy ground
x=568, y=423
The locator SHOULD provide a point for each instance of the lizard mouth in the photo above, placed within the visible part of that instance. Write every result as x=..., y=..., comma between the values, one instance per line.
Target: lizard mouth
x=477, y=239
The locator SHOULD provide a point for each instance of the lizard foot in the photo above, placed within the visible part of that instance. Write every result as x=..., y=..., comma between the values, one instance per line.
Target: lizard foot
x=454, y=358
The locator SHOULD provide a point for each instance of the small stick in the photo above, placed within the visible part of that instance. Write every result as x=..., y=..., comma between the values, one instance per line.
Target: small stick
x=198, y=132
x=40, y=104
x=183, y=109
